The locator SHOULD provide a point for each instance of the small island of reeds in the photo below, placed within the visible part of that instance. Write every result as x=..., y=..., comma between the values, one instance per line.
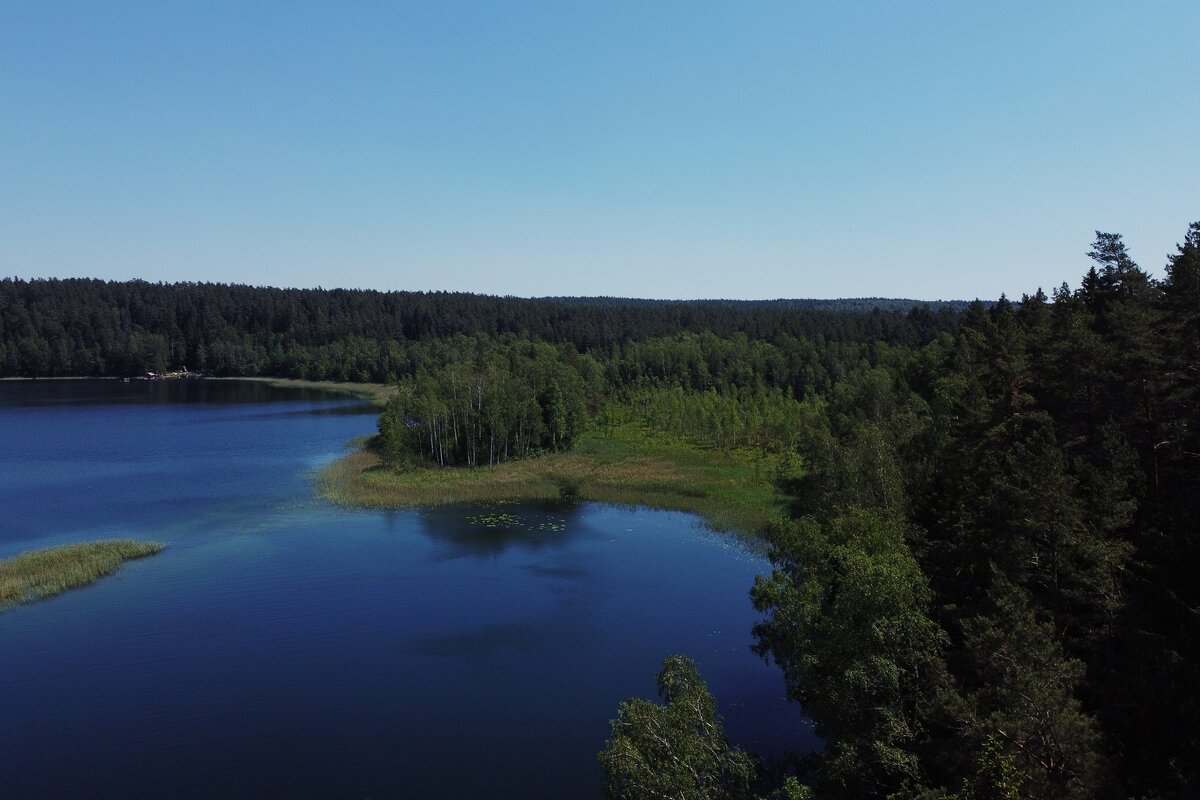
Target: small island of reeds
x=38, y=574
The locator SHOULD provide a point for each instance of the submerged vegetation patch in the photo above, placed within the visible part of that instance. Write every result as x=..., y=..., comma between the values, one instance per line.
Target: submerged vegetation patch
x=38, y=574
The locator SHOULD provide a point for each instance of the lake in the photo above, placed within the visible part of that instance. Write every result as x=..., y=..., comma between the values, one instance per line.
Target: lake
x=281, y=646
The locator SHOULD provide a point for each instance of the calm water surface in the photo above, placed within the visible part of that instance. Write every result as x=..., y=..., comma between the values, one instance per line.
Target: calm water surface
x=281, y=647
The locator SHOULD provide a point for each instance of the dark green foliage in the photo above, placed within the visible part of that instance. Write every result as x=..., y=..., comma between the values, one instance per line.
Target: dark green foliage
x=1024, y=709
x=1041, y=468
x=675, y=750
x=90, y=327
x=1176, y=449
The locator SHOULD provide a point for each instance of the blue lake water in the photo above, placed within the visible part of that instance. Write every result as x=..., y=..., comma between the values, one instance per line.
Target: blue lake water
x=283, y=647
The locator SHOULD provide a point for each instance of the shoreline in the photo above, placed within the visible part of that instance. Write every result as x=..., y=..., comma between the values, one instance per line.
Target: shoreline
x=16, y=378
x=375, y=393
x=731, y=490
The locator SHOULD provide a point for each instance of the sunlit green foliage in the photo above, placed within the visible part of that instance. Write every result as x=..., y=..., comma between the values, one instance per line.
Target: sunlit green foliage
x=494, y=403
x=769, y=419
x=848, y=623
x=675, y=750
x=733, y=490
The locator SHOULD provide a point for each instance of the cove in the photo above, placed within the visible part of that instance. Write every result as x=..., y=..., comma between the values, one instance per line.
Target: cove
x=280, y=646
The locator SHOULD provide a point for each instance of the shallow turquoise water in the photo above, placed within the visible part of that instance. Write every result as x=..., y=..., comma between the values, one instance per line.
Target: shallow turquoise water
x=284, y=647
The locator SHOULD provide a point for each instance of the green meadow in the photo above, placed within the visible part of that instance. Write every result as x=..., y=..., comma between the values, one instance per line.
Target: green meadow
x=732, y=489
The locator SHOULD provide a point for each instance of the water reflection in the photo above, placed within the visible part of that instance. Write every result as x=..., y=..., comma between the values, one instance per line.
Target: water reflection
x=56, y=392
x=349, y=408
x=487, y=532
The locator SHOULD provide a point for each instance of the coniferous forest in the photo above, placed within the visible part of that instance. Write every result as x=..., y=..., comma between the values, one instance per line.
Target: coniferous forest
x=986, y=586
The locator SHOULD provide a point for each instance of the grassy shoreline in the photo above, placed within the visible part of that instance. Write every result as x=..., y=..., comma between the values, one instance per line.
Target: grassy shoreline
x=629, y=465
x=38, y=574
x=375, y=393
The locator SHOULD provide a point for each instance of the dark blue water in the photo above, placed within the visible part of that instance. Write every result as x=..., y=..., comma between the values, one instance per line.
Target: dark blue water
x=281, y=647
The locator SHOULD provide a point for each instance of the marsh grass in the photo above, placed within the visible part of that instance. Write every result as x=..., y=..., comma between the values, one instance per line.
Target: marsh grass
x=731, y=489
x=44, y=573
x=375, y=393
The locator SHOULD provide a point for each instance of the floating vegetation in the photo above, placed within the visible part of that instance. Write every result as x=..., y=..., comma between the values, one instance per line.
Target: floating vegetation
x=514, y=521
x=45, y=573
x=495, y=520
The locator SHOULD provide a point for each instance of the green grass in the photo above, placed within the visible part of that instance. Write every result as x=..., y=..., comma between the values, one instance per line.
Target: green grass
x=630, y=465
x=44, y=573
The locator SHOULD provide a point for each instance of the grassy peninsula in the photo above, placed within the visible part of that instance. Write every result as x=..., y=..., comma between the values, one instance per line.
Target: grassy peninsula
x=374, y=393
x=732, y=489
x=38, y=574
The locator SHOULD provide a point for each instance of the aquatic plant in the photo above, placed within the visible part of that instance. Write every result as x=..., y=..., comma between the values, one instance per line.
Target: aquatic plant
x=44, y=573
x=495, y=520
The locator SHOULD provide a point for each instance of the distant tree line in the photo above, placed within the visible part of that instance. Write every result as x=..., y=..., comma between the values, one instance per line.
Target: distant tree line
x=94, y=328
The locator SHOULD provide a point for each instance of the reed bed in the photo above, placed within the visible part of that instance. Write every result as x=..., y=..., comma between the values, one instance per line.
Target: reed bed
x=730, y=488
x=375, y=393
x=44, y=573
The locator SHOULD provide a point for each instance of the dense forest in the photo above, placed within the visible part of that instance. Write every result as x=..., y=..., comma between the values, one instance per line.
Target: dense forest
x=91, y=328
x=990, y=591
x=987, y=589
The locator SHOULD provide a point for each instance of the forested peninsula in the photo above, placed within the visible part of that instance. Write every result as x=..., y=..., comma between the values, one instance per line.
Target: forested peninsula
x=983, y=518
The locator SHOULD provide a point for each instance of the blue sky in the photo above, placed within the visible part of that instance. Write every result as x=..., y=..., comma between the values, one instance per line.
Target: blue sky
x=683, y=149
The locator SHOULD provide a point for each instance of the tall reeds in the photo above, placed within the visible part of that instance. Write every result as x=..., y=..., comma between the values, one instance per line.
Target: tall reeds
x=43, y=573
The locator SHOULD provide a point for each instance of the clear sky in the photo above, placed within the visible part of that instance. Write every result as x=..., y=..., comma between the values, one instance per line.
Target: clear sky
x=652, y=149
